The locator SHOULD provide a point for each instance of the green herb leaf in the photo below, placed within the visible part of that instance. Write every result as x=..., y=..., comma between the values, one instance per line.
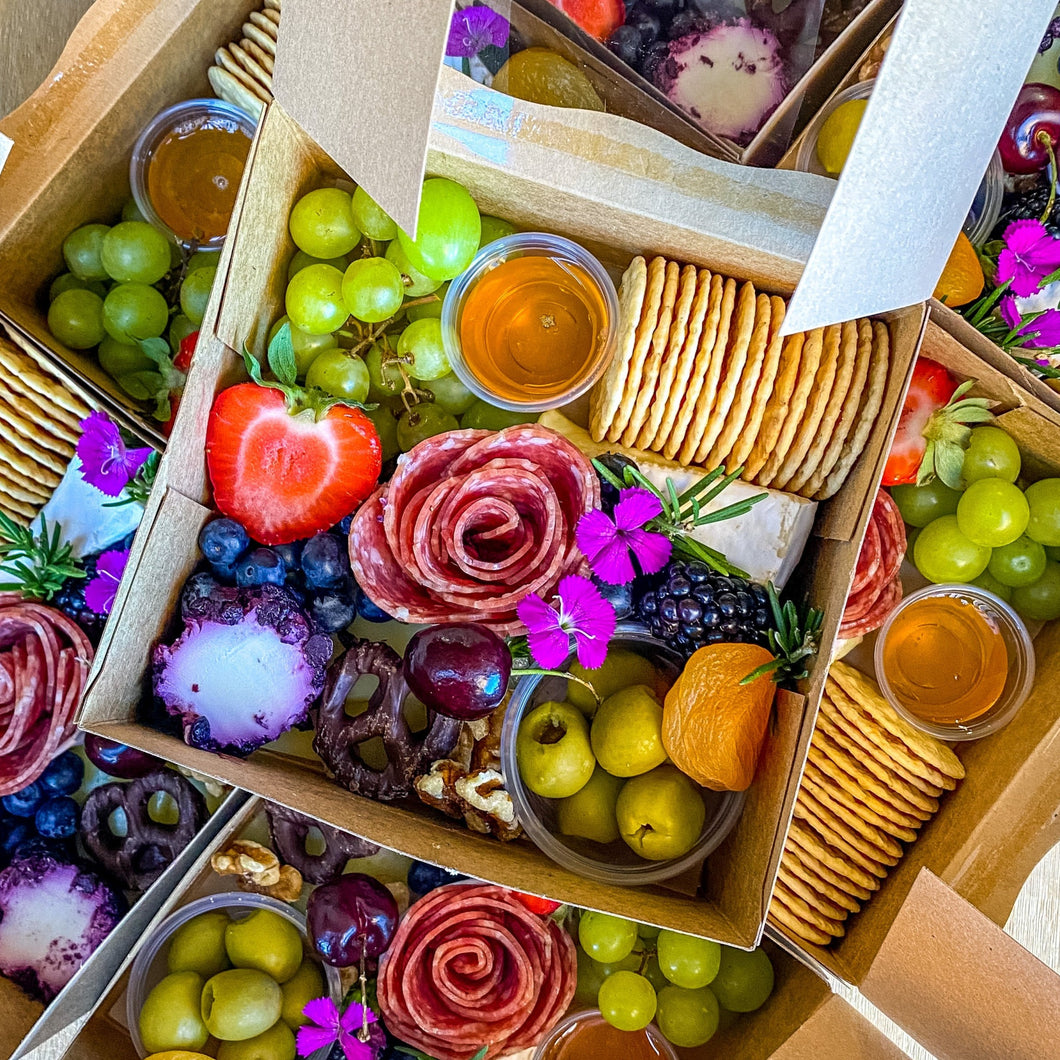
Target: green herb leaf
x=281, y=356
x=143, y=386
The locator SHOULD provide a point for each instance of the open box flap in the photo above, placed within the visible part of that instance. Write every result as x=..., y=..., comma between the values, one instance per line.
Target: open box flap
x=954, y=980
x=837, y=1029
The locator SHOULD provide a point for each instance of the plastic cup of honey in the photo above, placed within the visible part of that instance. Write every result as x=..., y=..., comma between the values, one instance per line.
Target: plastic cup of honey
x=532, y=323
x=186, y=167
x=955, y=661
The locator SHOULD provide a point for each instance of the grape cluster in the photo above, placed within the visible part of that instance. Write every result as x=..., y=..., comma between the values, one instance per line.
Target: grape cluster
x=689, y=986
x=991, y=533
x=316, y=570
x=364, y=305
x=127, y=284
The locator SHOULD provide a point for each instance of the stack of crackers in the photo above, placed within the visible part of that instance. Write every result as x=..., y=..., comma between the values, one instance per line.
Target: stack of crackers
x=242, y=72
x=871, y=781
x=39, y=430
x=701, y=374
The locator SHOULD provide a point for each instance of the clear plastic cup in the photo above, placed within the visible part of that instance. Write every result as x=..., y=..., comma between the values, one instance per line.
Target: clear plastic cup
x=1018, y=644
x=614, y=863
x=149, y=967
x=526, y=244
x=567, y=1028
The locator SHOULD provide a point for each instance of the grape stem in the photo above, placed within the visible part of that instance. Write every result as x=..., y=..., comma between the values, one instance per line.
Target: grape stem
x=1047, y=142
x=534, y=671
x=363, y=1034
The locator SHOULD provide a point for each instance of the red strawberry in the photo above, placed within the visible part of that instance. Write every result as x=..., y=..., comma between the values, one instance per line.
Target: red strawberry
x=185, y=351
x=599, y=18
x=288, y=474
x=932, y=433
x=543, y=906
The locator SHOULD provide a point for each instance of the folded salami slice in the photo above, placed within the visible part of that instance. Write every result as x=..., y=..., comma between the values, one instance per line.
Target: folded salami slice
x=470, y=523
x=44, y=661
x=469, y=966
x=877, y=586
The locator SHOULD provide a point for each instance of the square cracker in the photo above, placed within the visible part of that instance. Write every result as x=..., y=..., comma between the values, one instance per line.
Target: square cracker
x=603, y=402
x=745, y=441
x=641, y=380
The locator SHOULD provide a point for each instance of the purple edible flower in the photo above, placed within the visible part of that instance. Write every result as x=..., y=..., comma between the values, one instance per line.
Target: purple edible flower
x=611, y=543
x=1030, y=255
x=475, y=28
x=101, y=590
x=331, y=1028
x=105, y=462
x=579, y=611
x=1040, y=332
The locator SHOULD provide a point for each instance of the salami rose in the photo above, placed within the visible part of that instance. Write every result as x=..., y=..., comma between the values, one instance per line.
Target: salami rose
x=877, y=586
x=470, y=966
x=470, y=523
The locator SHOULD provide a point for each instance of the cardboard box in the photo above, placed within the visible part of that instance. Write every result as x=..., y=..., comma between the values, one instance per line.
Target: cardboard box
x=657, y=201
x=802, y=1018
x=25, y=1024
x=990, y=833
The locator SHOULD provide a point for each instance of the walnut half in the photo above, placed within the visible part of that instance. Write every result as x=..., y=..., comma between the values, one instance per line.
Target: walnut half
x=259, y=870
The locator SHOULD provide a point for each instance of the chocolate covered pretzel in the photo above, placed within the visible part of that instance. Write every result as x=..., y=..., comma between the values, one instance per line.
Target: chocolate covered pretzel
x=289, y=830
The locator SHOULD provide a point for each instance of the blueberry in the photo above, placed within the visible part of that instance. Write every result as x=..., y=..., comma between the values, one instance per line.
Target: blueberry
x=263, y=566
x=197, y=588
x=367, y=610
x=640, y=18
x=343, y=527
x=324, y=561
x=620, y=597
x=57, y=818
x=625, y=42
x=687, y=22
x=223, y=541
x=24, y=803
x=330, y=611
x=225, y=573
x=64, y=774
x=12, y=835
x=291, y=554
x=424, y=877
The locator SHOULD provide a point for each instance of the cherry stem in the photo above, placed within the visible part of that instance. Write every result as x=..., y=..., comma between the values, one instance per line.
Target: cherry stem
x=1047, y=142
x=364, y=1034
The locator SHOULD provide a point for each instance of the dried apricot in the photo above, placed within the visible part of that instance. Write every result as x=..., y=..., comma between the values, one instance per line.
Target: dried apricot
x=713, y=726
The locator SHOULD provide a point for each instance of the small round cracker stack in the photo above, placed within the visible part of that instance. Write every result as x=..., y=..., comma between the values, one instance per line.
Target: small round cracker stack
x=701, y=374
x=854, y=810
x=242, y=70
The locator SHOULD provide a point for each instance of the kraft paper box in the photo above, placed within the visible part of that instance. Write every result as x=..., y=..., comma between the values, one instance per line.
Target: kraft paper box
x=802, y=1018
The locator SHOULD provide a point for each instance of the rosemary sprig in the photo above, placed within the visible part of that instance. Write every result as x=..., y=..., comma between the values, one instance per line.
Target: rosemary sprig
x=41, y=562
x=683, y=513
x=793, y=639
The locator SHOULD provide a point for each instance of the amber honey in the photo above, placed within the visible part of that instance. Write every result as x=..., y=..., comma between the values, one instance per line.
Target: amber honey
x=593, y=1039
x=945, y=660
x=532, y=327
x=194, y=174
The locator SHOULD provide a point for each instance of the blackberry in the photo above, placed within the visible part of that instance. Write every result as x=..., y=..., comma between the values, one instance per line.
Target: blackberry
x=70, y=599
x=1030, y=205
x=689, y=605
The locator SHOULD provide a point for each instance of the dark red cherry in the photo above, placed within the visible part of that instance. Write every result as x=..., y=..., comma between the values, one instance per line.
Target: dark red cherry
x=118, y=759
x=1032, y=129
x=351, y=917
x=460, y=670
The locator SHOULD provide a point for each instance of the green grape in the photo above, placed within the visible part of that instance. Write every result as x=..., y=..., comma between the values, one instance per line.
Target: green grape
x=176, y=256
x=203, y=259
x=744, y=980
x=988, y=582
x=450, y=393
x=301, y=259
x=422, y=342
x=688, y=961
x=591, y=976
x=647, y=931
x=195, y=293
x=1052, y=552
x=1019, y=563
x=306, y=346
x=606, y=938
x=386, y=427
x=82, y=249
x=340, y=374
x=447, y=233
x=992, y=512
x=75, y=318
x=314, y=300
x=372, y=289
x=1040, y=602
x=119, y=358
x=920, y=505
x=1044, y=500
x=494, y=228
x=991, y=453
x=943, y=554
x=134, y=311
x=67, y=281
x=654, y=974
x=180, y=327
x=135, y=252
x=131, y=212
x=433, y=308
x=726, y=1018
x=687, y=1018
x=482, y=416
x=371, y=218
x=415, y=283
x=386, y=379
x=322, y=223
x=423, y=421
x=627, y=1001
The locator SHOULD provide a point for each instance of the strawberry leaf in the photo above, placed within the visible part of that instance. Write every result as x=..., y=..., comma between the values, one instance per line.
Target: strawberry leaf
x=949, y=460
x=157, y=349
x=253, y=366
x=143, y=386
x=281, y=356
